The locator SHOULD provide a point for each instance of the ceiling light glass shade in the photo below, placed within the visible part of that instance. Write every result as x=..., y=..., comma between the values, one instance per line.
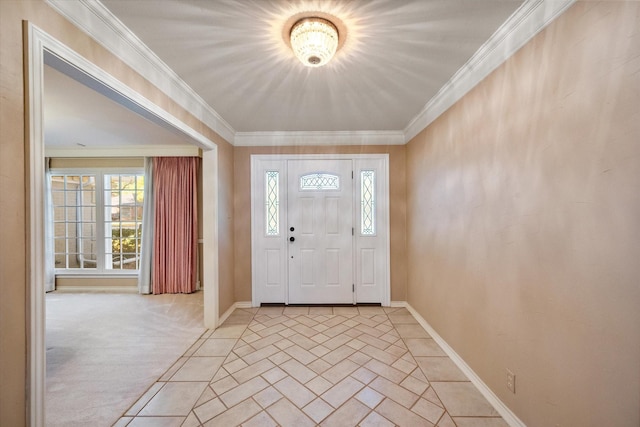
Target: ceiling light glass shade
x=314, y=41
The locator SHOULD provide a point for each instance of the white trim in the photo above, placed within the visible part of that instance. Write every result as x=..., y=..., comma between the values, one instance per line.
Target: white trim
x=38, y=44
x=98, y=22
x=398, y=304
x=515, y=32
x=239, y=304
x=506, y=413
x=36, y=353
x=243, y=304
x=127, y=151
x=210, y=250
x=270, y=139
x=120, y=289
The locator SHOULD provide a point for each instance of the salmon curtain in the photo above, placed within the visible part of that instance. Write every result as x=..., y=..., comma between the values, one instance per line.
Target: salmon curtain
x=175, y=237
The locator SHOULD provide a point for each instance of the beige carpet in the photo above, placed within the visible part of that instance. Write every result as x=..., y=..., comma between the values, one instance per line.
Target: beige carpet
x=104, y=350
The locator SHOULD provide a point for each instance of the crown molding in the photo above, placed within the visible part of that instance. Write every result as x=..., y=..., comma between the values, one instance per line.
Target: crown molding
x=270, y=139
x=98, y=22
x=515, y=32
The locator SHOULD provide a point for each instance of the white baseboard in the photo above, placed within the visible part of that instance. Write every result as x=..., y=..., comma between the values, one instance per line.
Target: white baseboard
x=398, y=304
x=97, y=289
x=506, y=413
x=239, y=304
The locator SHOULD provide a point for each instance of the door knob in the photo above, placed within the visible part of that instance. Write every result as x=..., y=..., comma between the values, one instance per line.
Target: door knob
x=291, y=229
x=292, y=239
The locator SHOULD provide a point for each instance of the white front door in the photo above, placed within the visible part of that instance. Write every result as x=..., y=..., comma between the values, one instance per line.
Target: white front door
x=338, y=208
x=319, y=227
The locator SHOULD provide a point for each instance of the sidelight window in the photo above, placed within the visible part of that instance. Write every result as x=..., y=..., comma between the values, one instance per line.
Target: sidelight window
x=367, y=203
x=272, y=209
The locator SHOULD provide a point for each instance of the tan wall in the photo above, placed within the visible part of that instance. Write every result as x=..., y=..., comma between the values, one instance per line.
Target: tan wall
x=13, y=256
x=99, y=162
x=226, y=221
x=524, y=222
x=397, y=210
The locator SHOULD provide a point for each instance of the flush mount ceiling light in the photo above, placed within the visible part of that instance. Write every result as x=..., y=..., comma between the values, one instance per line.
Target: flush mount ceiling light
x=314, y=41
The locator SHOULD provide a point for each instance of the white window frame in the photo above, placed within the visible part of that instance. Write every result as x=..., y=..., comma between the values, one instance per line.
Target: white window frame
x=100, y=206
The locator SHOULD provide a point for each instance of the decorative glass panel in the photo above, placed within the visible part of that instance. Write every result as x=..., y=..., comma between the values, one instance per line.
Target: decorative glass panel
x=367, y=202
x=319, y=181
x=272, y=205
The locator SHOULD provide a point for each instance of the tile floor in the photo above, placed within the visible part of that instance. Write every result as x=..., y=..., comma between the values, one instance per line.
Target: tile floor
x=308, y=366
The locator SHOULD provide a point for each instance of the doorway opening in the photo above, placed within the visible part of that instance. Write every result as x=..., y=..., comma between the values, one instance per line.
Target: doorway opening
x=38, y=46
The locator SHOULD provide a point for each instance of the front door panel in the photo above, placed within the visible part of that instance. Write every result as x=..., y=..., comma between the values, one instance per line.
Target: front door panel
x=320, y=211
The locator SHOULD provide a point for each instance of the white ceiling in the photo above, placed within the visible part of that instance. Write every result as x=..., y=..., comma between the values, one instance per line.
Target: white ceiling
x=81, y=118
x=403, y=64
x=397, y=56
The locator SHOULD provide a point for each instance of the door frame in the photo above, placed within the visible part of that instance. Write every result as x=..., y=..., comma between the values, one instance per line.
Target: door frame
x=257, y=211
x=38, y=43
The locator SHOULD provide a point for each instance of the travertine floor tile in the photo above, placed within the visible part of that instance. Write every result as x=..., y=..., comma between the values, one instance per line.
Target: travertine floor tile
x=295, y=391
x=318, y=410
x=369, y=397
x=400, y=415
x=157, y=422
x=209, y=409
x=174, y=399
x=411, y=331
x=216, y=347
x=479, y=422
x=343, y=391
x=440, y=369
x=348, y=415
x=288, y=415
x=428, y=410
x=345, y=367
x=463, y=399
x=228, y=331
x=236, y=415
x=376, y=420
x=423, y=347
x=261, y=420
x=198, y=369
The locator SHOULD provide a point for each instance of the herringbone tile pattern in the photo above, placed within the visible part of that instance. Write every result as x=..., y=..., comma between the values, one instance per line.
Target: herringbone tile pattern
x=308, y=366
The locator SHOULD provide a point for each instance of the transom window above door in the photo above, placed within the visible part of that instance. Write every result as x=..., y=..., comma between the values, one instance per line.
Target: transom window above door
x=319, y=181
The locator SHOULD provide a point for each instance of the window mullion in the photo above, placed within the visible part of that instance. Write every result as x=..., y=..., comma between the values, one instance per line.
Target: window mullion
x=100, y=218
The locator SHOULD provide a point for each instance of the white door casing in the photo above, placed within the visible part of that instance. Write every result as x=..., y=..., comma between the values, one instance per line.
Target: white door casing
x=320, y=221
x=271, y=249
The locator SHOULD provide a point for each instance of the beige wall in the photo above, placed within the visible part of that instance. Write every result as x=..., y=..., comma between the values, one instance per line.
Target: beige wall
x=13, y=264
x=524, y=222
x=397, y=210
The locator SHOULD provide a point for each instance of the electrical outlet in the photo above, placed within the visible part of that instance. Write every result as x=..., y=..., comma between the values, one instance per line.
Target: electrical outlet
x=511, y=381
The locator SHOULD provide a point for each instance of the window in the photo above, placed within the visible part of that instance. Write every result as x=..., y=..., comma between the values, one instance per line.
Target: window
x=272, y=209
x=319, y=181
x=367, y=203
x=123, y=197
x=97, y=220
x=74, y=216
